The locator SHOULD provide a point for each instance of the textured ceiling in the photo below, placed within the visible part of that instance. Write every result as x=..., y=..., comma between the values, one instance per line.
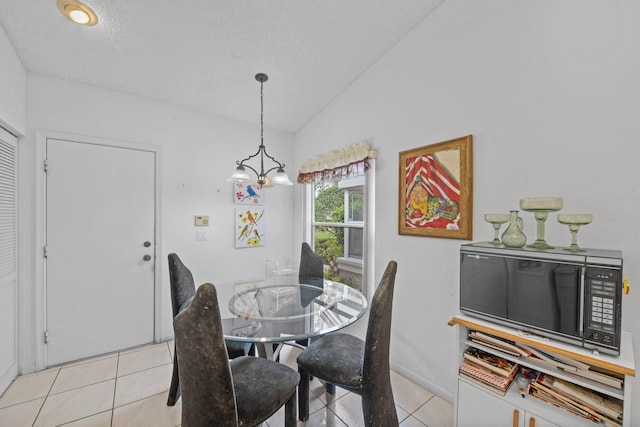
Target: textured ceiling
x=204, y=54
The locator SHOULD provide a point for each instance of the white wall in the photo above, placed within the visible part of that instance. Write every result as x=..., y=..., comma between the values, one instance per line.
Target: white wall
x=13, y=78
x=549, y=91
x=198, y=153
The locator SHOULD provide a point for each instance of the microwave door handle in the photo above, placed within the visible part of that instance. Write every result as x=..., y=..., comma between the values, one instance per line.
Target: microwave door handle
x=581, y=310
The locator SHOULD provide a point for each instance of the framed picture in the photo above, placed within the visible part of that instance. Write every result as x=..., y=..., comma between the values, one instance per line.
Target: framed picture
x=436, y=190
x=249, y=227
x=247, y=194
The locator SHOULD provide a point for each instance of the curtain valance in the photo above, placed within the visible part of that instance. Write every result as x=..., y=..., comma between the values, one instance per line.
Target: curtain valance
x=338, y=164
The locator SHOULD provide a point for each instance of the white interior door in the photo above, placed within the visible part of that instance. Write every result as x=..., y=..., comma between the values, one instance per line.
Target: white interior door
x=100, y=212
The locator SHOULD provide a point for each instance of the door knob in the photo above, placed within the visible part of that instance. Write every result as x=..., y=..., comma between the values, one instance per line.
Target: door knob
x=147, y=257
x=147, y=244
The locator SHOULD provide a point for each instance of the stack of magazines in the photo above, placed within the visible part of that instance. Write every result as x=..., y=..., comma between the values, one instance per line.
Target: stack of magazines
x=568, y=365
x=577, y=400
x=487, y=370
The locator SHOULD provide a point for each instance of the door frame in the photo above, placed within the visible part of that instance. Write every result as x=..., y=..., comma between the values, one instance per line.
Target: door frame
x=40, y=307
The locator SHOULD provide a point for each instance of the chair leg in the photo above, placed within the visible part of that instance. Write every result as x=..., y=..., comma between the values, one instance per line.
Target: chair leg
x=290, y=412
x=174, y=389
x=303, y=396
x=331, y=388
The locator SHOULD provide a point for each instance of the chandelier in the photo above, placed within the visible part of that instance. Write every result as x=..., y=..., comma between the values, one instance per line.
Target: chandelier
x=242, y=175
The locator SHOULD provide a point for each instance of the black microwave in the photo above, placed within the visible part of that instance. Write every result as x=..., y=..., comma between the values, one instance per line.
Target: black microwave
x=575, y=297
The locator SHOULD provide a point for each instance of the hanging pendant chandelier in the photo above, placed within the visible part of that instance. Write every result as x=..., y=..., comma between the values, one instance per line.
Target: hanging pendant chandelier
x=263, y=181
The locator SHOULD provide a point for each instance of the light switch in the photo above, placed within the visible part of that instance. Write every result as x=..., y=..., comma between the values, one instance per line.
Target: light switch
x=201, y=236
x=202, y=220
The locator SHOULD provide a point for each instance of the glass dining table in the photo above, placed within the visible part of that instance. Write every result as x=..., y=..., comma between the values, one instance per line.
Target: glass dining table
x=270, y=315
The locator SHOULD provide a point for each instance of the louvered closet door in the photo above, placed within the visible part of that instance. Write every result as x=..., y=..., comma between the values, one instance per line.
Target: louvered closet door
x=8, y=276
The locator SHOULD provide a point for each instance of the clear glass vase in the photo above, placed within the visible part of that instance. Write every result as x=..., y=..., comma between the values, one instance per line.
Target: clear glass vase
x=513, y=237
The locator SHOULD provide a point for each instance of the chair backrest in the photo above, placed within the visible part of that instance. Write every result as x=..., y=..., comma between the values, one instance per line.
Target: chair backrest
x=377, y=397
x=205, y=375
x=181, y=281
x=311, y=272
x=311, y=266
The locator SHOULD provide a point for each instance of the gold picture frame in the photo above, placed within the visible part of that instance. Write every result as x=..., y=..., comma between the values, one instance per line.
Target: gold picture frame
x=436, y=190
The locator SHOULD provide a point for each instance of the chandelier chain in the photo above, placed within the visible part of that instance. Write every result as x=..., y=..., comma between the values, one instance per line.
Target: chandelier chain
x=261, y=114
x=262, y=175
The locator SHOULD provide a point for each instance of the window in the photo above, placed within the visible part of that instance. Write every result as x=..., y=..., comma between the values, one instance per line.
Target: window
x=337, y=228
x=340, y=213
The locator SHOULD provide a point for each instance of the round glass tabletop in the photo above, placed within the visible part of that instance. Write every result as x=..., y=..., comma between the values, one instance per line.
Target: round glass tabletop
x=265, y=312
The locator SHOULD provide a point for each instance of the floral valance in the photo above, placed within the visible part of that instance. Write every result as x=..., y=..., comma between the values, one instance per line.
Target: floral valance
x=338, y=164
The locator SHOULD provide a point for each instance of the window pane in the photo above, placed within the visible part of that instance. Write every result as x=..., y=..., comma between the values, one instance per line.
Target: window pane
x=355, y=242
x=329, y=203
x=340, y=203
x=356, y=204
x=329, y=242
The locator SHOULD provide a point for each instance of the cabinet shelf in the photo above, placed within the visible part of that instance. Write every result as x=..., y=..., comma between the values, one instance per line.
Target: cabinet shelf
x=623, y=365
x=558, y=373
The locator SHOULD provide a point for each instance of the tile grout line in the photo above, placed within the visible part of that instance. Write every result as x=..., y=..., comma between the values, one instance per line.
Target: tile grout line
x=138, y=400
x=46, y=397
x=115, y=388
x=146, y=369
x=81, y=418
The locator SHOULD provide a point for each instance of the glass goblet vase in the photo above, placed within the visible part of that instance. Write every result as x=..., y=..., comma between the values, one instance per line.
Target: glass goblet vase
x=574, y=221
x=496, y=221
x=541, y=206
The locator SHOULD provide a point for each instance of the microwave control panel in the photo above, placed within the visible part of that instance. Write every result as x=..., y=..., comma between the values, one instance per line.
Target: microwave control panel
x=602, y=301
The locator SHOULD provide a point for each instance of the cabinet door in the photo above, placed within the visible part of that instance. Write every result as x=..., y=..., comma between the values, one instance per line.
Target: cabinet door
x=479, y=408
x=531, y=420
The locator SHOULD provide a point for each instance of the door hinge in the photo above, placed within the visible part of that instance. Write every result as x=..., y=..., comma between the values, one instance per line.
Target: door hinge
x=45, y=251
x=46, y=165
x=46, y=337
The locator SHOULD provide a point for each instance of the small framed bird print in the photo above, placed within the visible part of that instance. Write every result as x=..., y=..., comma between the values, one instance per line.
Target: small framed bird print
x=249, y=226
x=247, y=194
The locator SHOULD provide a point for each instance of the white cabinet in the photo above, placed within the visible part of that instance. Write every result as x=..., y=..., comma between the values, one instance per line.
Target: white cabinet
x=531, y=420
x=482, y=409
x=478, y=407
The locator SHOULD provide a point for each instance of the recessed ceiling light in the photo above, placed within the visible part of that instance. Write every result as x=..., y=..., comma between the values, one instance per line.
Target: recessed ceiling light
x=77, y=12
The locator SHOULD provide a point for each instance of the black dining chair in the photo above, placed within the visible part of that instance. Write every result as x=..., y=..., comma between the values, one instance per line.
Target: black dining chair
x=216, y=391
x=359, y=366
x=311, y=272
x=182, y=289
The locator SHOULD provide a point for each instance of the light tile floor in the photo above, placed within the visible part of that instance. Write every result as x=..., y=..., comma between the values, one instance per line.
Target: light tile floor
x=129, y=389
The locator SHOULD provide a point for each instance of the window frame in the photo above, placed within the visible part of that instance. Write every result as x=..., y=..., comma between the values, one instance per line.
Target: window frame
x=368, y=226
